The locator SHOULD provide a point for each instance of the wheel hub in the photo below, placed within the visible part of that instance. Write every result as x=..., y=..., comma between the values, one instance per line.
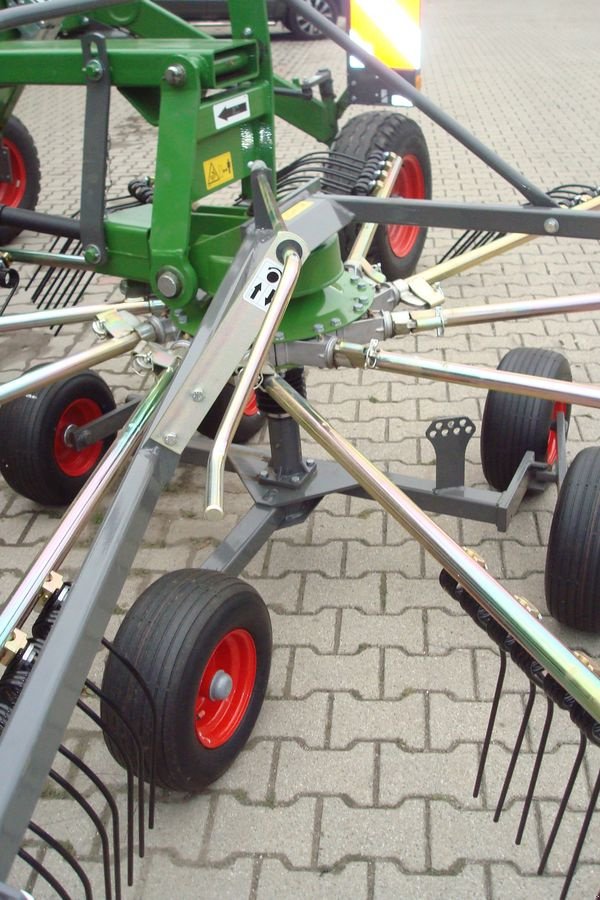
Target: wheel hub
x=220, y=686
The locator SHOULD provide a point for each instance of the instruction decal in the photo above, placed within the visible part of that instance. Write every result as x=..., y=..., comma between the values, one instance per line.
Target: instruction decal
x=261, y=289
x=228, y=112
x=218, y=170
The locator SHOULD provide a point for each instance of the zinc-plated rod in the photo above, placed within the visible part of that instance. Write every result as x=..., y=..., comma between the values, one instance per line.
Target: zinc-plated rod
x=359, y=356
x=75, y=314
x=367, y=230
x=481, y=254
x=39, y=258
x=77, y=362
x=427, y=320
x=216, y=461
x=557, y=659
x=22, y=601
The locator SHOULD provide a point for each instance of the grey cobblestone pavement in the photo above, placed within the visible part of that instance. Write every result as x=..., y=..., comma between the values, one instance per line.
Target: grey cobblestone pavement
x=357, y=781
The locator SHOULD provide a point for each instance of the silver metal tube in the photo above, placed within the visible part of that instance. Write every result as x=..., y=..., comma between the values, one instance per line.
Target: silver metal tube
x=38, y=378
x=39, y=258
x=216, y=462
x=22, y=601
x=358, y=356
x=557, y=659
x=75, y=314
x=426, y=320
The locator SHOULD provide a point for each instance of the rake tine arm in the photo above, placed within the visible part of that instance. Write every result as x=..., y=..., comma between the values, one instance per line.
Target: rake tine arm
x=581, y=839
x=536, y=769
x=563, y=803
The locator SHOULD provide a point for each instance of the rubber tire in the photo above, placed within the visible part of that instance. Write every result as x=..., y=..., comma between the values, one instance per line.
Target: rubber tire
x=292, y=22
x=249, y=424
x=363, y=135
x=168, y=635
x=27, y=429
x=18, y=134
x=572, y=579
x=513, y=424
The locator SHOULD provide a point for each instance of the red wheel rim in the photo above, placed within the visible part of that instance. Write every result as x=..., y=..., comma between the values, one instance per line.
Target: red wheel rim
x=216, y=721
x=251, y=408
x=552, y=447
x=410, y=184
x=12, y=192
x=69, y=460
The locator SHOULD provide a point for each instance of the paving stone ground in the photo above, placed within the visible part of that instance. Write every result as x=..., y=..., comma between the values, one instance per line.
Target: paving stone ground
x=357, y=781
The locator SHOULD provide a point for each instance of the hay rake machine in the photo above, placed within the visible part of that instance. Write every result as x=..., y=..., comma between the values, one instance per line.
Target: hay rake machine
x=231, y=303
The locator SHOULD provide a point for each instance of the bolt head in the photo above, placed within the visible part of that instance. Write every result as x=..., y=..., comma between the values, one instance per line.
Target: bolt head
x=318, y=328
x=551, y=225
x=197, y=395
x=335, y=322
x=175, y=75
x=94, y=70
x=168, y=283
x=170, y=439
x=92, y=254
x=358, y=307
x=247, y=32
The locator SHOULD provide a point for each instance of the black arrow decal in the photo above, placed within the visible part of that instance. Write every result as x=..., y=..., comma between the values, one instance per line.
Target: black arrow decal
x=228, y=111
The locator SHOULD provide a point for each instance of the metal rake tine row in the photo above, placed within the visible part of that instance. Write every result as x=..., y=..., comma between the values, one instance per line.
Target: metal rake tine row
x=139, y=754
x=68, y=857
x=152, y=706
x=516, y=751
x=563, y=803
x=93, y=715
x=93, y=815
x=43, y=872
x=491, y=722
x=536, y=769
x=110, y=800
x=581, y=839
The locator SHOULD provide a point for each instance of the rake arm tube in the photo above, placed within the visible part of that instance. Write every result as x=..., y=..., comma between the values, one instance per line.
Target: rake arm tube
x=75, y=314
x=59, y=226
x=557, y=659
x=17, y=16
x=359, y=356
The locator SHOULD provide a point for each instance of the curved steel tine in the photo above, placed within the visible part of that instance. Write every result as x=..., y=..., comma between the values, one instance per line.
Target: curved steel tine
x=110, y=800
x=140, y=757
x=153, y=749
x=43, y=872
x=68, y=857
x=491, y=722
x=516, y=751
x=580, y=840
x=80, y=799
x=536, y=769
x=563, y=802
x=93, y=715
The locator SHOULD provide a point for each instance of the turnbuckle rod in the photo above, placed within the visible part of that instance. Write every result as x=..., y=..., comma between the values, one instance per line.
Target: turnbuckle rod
x=553, y=655
x=292, y=264
x=75, y=314
x=77, y=362
x=370, y=356
x=22, y=601
x=430, y=319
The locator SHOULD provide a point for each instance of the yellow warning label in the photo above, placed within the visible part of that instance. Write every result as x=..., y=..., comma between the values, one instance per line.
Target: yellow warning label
x=218, y=170
x=296, y=209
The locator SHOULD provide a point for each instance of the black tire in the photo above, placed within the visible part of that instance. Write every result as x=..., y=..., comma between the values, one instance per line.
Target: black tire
x=251, y=422
x=573, y=556
x=396, y=248
x=34, y=460
x=24, y=188
x=302, y=29
x=513, y=424
x=170, y=634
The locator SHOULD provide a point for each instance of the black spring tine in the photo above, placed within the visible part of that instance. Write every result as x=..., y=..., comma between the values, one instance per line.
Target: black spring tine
x=154, y=715
x=491, y=722
x=80, y=799
x=536, y=769
x=38, y=269
x=68, y=857
x=93, y=715
x=140, y=759
x=69, y=302
x=563, y=802
x=581, y=839
x=110, y=800
x=44, y=873
x=516, y=751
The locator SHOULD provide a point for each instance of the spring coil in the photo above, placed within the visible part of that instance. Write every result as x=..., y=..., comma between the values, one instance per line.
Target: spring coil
x=372, y=170
x=142, y=189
